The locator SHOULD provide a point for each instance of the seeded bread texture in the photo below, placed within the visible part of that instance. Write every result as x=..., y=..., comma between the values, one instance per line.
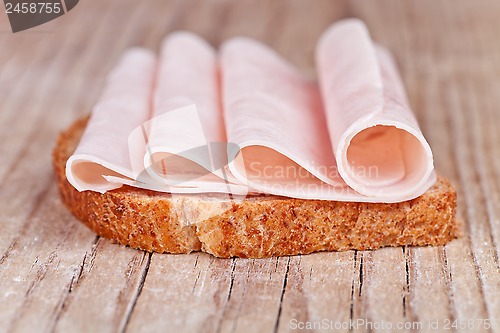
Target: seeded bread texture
x=260, y=225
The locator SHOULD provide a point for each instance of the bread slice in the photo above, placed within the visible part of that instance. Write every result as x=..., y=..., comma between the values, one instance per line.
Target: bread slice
x=260, y=225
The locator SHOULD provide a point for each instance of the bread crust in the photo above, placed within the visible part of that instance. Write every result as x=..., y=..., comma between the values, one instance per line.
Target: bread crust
x=257, y=227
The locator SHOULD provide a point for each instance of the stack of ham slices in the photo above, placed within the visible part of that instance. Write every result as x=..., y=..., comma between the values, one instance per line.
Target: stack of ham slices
x=243, y=120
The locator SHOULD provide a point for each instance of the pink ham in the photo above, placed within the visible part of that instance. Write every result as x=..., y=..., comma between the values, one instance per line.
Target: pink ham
x=352, y=138
x=379, y=148
x=187, y=139
x=274, y=115
x=123, y=106
x=369, y=139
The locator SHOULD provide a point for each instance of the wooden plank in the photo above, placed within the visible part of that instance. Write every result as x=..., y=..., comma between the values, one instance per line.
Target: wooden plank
x=105, y=290
x=46, y=102
x=255, y=295
x=463, y=287
x=479, y=226
x=380, y=305
x=319, y=291
x=296, y=39
x=184, y=293
x=198, y=293
x=38, y=268
x=24, y=186
x=44, y=277
x=428, y=281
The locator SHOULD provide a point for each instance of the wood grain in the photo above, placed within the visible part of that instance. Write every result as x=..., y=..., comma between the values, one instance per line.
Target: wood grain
x=55, y=275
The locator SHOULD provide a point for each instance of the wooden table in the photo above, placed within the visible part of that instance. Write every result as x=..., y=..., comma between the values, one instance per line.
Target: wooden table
x=56, y=275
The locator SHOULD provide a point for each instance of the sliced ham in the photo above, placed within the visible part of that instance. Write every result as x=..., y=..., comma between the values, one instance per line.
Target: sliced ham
x=124, y=105
x=379, y=148
x=366, y=137
x=164, y=126
x=275, y=117
x=187, y=139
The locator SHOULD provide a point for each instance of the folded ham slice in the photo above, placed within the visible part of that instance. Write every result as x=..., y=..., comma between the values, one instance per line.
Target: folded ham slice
x=350, y=138
x=275, y=117
x=123, y=106
x=187, y=144
x=379, y=148
x=151, y=118
x=186, y=116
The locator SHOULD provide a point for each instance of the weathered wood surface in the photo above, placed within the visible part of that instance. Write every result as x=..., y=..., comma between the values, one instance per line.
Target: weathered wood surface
x=55, y=275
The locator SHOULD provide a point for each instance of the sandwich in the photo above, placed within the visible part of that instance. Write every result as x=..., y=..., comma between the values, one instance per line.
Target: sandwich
x=237, y=154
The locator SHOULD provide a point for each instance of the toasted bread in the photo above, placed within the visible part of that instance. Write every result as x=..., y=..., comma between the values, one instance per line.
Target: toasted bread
x=260, y=225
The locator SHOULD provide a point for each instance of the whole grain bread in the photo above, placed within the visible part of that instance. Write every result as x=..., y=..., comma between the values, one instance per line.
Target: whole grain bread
x=260, y=225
